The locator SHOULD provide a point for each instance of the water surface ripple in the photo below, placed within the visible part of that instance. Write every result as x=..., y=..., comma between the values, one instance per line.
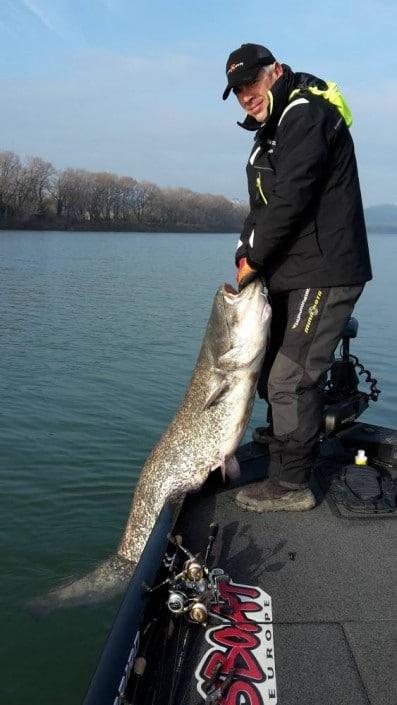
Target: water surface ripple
x=99, y=334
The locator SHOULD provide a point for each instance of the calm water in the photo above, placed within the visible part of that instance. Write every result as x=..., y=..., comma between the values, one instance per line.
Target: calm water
x=99, y=334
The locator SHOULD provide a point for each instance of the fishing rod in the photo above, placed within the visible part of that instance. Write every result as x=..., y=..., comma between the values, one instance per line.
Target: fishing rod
x=192, y=597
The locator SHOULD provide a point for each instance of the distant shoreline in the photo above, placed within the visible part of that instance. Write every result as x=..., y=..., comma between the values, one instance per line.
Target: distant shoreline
x=371, y=229
x=116, y=229
x=35, y=196
x=382, y=229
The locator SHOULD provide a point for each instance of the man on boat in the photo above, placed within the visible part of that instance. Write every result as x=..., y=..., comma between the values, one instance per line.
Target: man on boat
x=305, y=236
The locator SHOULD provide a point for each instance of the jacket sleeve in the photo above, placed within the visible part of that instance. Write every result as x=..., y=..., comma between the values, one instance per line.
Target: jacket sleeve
x=242, y=245
x=301, y=163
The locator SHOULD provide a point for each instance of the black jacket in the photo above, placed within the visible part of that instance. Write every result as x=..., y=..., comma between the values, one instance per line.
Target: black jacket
x=306, y=224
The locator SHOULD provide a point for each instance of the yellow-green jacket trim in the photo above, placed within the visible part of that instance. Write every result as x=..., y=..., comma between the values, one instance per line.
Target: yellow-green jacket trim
x=333, y=95
x=259, y=187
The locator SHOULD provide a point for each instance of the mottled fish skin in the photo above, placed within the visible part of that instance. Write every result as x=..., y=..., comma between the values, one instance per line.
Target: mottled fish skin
x=202, y=436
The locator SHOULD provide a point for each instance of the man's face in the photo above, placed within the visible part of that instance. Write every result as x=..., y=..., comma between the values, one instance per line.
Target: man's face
x=253, y=96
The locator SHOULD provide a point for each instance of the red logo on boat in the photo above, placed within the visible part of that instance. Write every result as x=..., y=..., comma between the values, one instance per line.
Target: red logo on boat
x=239, y=664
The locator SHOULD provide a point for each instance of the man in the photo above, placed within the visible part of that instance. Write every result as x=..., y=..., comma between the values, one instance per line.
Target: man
x=305, y=235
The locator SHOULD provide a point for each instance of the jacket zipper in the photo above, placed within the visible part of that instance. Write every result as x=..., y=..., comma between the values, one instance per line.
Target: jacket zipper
x=259, y=187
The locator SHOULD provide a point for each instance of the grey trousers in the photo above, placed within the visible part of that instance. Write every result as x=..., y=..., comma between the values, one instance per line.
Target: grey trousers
x=306, y=327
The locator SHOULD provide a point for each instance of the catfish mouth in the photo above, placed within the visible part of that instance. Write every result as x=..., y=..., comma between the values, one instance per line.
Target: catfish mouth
x=229, y=289
x=249, y=294
x=233, y=295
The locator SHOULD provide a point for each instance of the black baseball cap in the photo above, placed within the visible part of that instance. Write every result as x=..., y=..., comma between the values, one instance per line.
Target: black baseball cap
x=244, y=63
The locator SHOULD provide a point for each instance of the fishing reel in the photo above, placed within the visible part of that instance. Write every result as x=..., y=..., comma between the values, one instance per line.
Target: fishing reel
x=194, y=590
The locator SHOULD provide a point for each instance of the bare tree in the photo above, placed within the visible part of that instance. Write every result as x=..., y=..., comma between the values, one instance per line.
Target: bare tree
x=10, y=170
x=143, y=196
x=127, y=188
x=73, y=193
x=76, y=196
x=35, y=187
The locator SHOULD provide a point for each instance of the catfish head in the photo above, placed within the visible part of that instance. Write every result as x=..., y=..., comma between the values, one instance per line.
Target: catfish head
x=238, y=328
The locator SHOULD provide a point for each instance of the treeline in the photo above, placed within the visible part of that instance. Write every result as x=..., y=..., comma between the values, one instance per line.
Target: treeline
x=33, y=194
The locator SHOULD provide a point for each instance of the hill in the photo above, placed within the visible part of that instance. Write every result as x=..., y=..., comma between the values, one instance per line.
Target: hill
x=382, y=218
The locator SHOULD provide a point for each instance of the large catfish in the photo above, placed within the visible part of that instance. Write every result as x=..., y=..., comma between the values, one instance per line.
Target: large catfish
x=203, y=435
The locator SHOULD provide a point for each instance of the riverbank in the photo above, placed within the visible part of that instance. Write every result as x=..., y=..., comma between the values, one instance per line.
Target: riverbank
x=142, y=228
x=113, y=228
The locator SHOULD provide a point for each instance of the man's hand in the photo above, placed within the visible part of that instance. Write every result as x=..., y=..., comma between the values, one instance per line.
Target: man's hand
x=245, y=274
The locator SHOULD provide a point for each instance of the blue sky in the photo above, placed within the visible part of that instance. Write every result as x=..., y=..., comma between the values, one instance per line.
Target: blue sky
x=134, y=88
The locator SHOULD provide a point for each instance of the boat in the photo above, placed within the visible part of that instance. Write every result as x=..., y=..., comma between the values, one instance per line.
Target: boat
x=238, y=608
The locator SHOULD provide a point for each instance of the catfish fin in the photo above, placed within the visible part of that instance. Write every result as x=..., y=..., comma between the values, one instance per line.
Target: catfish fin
x=232, y=467
x=229, y=361
x=216, y=390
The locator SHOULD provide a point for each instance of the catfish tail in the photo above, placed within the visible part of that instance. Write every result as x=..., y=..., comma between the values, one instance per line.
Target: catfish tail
x=104, y=582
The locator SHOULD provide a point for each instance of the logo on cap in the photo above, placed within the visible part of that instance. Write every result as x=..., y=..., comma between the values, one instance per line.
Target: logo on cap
x=233, y=67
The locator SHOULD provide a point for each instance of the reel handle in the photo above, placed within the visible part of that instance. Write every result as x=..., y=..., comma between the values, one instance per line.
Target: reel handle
x=177, y=541
x=214, y=531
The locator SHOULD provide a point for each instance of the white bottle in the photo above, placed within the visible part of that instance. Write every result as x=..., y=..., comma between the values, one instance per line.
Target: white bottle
x=360, y=458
